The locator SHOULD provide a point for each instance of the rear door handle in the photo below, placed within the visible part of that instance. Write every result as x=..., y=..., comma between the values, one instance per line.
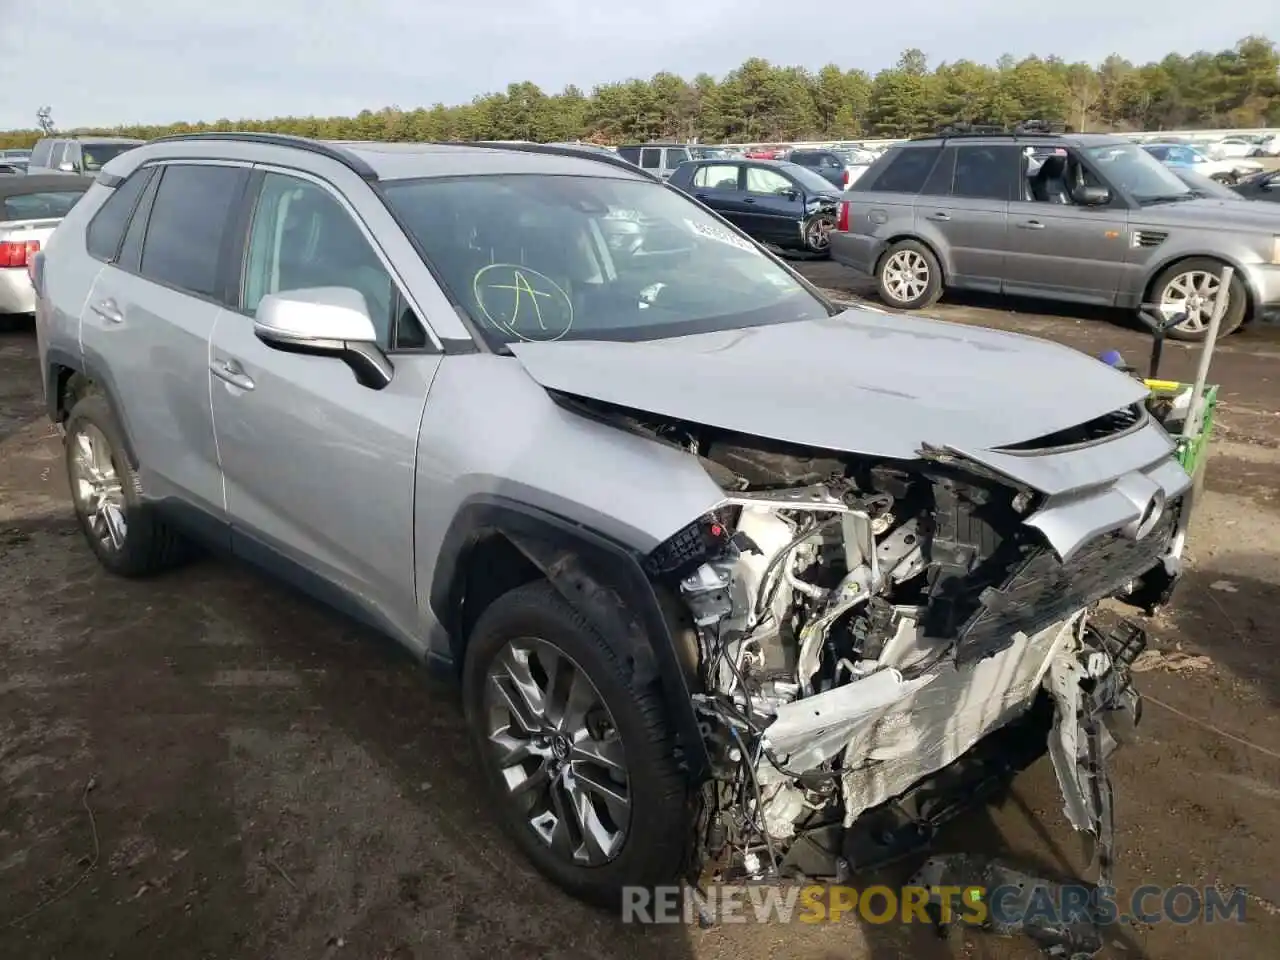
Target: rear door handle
x=108, y=311
x=939, y=216
x=232, y=373
x=1031, y=225
x=701, y=196
x=748, y=199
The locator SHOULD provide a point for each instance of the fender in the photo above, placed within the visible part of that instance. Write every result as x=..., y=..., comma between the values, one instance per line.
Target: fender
x=601, y=578
x=58, y=359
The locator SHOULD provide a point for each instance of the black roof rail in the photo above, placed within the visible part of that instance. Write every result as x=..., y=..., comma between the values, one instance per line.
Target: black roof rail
x=557, y=151
x=1027, y=128
x=319, y=147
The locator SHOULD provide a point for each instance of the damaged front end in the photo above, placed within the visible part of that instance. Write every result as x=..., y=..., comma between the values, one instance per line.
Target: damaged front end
x=880, y=641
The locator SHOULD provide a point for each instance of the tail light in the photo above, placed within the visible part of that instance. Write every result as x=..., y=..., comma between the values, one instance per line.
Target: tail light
x=18, y=253
x=842, y=216
x=844, y=179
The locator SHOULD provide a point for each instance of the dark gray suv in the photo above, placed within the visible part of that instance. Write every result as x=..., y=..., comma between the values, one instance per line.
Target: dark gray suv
x=1081, y=218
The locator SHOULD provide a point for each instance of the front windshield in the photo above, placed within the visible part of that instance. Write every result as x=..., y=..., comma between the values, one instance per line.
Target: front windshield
x=540, y=258
x=812, y=182
x=98, y=155
x=1136, y=172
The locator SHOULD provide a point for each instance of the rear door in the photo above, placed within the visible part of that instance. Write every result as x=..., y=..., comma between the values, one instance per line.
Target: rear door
x=963, y=210
x=720, y=187
x=150, y=315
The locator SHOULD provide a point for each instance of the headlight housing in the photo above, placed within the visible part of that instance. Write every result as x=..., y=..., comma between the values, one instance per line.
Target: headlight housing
x=1275, y=250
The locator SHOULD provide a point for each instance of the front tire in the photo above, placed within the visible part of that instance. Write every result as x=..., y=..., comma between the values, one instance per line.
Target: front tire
x=123, y=532
x=577, y=755
x=1191, y=287
x=817, y=234
x=909, y=276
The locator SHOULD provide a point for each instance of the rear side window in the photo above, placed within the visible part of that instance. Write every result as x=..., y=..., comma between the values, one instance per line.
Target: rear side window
x=187, y=225
x=107, y=227
x=630, y=154
x=986, y=172
x=40, y=155
x=806, y=159
x=58, y=153
x=905, y=170
x=47, y=205
x=651, y=158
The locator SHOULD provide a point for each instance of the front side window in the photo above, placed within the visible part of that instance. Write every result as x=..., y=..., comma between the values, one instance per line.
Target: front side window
x=716, y=176
x=1130, y=168
x=47, y=205
x=543, y=258
x=187, y=225
x=760, y=180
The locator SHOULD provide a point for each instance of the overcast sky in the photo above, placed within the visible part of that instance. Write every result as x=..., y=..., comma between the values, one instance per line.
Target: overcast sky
x=154, y=61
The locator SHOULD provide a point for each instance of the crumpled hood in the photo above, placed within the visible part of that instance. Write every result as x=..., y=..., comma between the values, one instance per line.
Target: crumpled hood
x=860, y=382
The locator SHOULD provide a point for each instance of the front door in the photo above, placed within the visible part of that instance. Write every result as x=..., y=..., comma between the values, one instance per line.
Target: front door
x=773, y=205
x=319, y=469
x=1062, y=250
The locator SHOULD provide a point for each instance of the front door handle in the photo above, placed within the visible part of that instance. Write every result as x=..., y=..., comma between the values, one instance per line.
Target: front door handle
x=939, y=216
x=1031, y=225
x=232, y=373
x=748, y=200
x=108, y=311
x=701, y=196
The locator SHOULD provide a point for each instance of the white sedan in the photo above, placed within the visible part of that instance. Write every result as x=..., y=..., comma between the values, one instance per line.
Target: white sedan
x=1231, y=147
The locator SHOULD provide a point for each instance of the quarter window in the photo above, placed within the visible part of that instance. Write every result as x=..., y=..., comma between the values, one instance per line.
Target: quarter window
x=108, y=225
x=651, y=158
x=188, y=224
x=717, y=176
x=905, y=170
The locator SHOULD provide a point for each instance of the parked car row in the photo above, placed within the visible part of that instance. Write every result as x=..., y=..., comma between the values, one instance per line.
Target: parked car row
x=1085, y=218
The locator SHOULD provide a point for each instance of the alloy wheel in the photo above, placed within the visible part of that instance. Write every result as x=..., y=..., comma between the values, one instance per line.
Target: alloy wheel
x=1194, y=295
x=906, y=276
x=818, y=233
x=558, y=750
x=96, y=486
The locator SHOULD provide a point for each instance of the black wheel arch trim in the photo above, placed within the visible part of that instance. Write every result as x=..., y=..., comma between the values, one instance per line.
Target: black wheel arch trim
x=600, y=577
x=58, y=359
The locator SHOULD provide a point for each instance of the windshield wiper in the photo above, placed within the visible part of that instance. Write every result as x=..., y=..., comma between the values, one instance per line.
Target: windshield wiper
x=1168, y=198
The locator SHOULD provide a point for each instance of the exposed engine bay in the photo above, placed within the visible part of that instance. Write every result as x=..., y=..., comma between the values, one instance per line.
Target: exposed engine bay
x=878, y=640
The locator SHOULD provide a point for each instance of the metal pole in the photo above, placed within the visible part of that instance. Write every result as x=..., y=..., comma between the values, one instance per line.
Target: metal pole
x=1192, y=424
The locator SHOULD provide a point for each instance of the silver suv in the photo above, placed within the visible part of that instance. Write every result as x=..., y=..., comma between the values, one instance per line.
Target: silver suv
x=77, y=155
x=1081, y=218
x=728, y=574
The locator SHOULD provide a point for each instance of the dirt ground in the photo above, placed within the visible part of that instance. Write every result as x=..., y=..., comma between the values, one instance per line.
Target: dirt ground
x=269, y=781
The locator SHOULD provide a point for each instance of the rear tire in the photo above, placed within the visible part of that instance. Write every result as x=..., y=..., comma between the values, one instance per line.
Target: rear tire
x=532, y=632
x=124, y=533
x=1183, y=285
x=909, y=276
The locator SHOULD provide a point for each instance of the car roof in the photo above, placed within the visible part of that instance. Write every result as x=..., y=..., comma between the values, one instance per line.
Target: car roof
x=378, y=161
x=40, y=182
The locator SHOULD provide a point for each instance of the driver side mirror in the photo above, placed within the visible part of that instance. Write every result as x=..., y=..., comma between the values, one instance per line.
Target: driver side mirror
x=325, y=322
x=790, y=193
x=66, y=166
x=1087, y=196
